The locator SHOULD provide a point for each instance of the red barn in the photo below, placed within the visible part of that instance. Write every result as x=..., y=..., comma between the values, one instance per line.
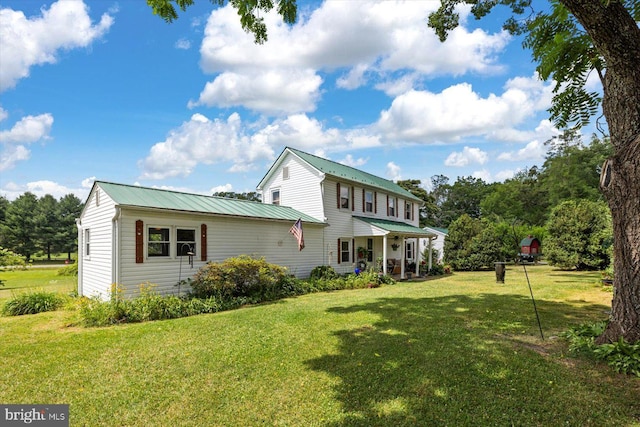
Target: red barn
x=529, y=248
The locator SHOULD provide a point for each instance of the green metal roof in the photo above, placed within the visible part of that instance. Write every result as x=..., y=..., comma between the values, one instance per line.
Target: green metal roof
x=144, y=197
x=341, y=171
x=441, y=230
x=395, y=227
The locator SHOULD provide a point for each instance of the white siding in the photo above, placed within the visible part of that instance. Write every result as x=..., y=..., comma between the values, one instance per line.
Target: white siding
x=96, y=273
x=301, y=191
x=226, y=237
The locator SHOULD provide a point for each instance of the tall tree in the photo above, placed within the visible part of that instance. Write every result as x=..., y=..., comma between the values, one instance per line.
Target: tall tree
x=69, y=208
x=47, y=223
x=464, y=197
x=414, y=186
x=569, y=42
x=251, y=195
x=20, y=225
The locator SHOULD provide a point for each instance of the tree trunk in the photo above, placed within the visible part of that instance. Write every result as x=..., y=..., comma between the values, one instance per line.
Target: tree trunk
x=616, y=37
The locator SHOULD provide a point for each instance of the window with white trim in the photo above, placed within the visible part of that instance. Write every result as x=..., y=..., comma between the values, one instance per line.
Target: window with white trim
x=87, y=242
x=344, y=197
x=410, y=250
x=158, y=243
x=345, y=250
x=392, y=206
x=185, y=241
x=408, y=210
x=368, y=201
x=275, y=197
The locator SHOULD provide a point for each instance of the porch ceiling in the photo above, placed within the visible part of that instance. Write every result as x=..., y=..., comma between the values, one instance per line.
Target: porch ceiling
x=383, y=227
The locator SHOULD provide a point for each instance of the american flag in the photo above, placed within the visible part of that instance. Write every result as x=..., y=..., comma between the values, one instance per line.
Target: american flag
x=296, y=230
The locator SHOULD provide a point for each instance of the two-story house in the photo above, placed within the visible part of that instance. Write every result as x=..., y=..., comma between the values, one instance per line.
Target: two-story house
x=131, y=235
x=373, y=222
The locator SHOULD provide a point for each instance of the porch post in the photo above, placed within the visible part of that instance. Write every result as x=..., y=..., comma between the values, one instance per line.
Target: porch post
x=384, y=254
x=430, y=253
x=416, y=255
x=402, y=253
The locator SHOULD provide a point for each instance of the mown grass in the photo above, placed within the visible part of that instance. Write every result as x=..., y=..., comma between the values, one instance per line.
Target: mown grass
x=460, y=350
x=35, y=278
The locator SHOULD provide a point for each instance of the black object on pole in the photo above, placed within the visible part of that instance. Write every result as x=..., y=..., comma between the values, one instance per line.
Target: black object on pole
x=535, y=308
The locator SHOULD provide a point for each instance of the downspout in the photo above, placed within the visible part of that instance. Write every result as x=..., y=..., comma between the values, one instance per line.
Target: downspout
x=80, y=255
x=115, y=247
x=384, y=254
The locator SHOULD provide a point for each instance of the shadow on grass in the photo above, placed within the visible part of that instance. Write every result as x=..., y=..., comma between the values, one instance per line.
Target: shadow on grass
x=459, y=360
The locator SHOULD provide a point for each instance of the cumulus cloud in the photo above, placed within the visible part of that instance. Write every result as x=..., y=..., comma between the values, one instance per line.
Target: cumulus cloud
x=13, y=142
x=388, y=42
x=466, y=157
x=41, y=188
x=201, y=140
x=36, y=41
x=221, y=188
x=350, y=161
x=393, y=171
x=458, y=111
x=534, y=150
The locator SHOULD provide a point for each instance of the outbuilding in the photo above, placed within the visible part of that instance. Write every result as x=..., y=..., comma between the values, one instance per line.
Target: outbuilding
x=529, y=249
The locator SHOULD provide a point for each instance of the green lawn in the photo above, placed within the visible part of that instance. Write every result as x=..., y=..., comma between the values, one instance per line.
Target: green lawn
x=455, y=351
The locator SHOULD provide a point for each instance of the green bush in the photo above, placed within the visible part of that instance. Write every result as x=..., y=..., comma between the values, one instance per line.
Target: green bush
x=69, y=270
x=242, y=276
x=622, y=356
x=323, y=272
x=32, y=303
x=11, y=259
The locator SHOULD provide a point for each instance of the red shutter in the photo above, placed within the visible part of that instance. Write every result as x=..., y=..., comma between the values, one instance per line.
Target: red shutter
x=139, y=242
x=375, y=202
x=387, y=205
x=339, y=251
x=397, y=208
x=338, y=191
x=353, y=199
x=363, y=200
x=203, y=242
x=353, y=250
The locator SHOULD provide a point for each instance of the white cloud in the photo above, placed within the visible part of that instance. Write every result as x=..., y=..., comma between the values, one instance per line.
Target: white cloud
x=386, y=41
x=201, y=140
x=13, y=141
x=534, y=150
x=426, y=117
x=466, y=157
x=483, y=174
x=393, y=171
x=41, y=188
x=3, y=114
x=35, y=41
x=221, y=188
x=350, y=161
x=183, y=44
x=28, y=129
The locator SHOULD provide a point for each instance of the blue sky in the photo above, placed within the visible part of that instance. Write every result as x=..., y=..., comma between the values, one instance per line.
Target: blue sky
x=106, y=90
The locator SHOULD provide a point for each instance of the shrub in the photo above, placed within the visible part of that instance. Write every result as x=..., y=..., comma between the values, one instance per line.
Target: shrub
x=323, y=272
x=32, y=303
x=69, y=270
x=242, y=276
x=622, y=356
x=11, y=259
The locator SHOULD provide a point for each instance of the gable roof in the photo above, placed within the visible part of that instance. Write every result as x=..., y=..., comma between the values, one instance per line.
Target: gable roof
x=437, y=229
x=344, y=172
x=528, y=241
x=152, y=198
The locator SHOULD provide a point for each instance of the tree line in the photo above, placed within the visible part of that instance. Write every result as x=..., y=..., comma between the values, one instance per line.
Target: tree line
x=558, y=202
x=29, y=225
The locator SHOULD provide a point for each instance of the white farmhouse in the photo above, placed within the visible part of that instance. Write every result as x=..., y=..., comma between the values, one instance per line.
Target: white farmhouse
x=133, y=235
